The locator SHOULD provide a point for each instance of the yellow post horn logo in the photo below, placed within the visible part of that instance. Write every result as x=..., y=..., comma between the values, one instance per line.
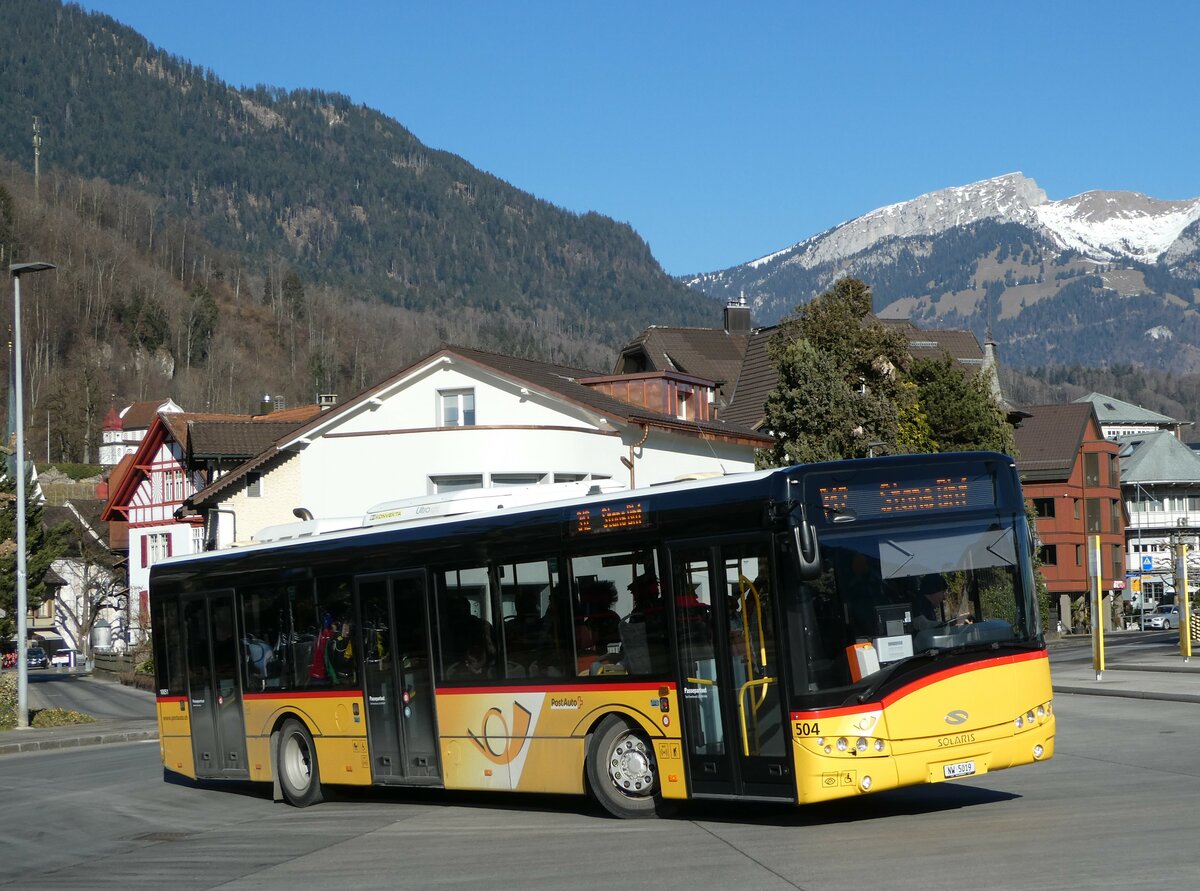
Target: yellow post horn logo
x=503, y=747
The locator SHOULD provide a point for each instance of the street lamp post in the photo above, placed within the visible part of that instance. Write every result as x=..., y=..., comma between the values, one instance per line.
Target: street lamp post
x=17, y=270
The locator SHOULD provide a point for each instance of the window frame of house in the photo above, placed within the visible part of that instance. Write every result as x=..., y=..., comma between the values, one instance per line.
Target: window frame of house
x=1048, y=554
x=440, y=484
x=456, y=407
x=1044, y=508
x=254, y=484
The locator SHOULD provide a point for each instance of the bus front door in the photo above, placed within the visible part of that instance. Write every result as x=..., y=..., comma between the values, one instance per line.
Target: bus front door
x=735, y=726
x=214, y=694
x=397, y=681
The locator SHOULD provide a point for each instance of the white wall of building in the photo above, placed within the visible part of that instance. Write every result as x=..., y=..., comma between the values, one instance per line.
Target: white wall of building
x=394, y=448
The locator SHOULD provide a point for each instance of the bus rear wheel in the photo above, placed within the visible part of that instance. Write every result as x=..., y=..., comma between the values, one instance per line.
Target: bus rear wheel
x=297, y=768
x=621, y=770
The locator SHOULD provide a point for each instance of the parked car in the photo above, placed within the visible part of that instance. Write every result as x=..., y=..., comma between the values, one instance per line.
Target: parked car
x=1164, y=618
x=35, y=657
x=64, y=658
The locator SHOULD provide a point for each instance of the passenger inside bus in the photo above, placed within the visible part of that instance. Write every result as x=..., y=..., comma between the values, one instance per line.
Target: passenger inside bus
x=467, y=633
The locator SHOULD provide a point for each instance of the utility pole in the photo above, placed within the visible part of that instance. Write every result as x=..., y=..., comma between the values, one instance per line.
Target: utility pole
x=37, y=154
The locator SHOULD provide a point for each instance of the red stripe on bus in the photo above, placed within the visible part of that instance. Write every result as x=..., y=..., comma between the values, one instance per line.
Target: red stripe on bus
x=557, y=688
x=307, y=694
x=171, y=698
x=916, y=685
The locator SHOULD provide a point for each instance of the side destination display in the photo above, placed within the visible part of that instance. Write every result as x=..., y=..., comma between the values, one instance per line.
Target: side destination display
x=601, y=518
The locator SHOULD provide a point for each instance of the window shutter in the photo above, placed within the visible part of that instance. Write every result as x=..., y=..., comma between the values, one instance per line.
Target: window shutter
x=169, y=540
x=145, y=552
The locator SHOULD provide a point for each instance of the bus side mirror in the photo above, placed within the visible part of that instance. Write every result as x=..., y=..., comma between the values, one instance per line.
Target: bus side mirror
x=808, y=550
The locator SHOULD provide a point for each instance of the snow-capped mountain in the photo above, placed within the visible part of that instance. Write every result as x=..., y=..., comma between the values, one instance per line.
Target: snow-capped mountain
x=999, y=251
x=1100, y=225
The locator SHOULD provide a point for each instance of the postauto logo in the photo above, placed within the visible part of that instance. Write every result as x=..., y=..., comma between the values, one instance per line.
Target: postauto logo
x=956, y=717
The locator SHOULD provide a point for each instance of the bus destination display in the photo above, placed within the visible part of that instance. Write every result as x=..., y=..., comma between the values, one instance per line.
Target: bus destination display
x=597, y=519
x=894, y=497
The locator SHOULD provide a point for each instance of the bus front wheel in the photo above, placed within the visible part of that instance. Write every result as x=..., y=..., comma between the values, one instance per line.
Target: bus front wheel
x=298, y=771
x=621, y=769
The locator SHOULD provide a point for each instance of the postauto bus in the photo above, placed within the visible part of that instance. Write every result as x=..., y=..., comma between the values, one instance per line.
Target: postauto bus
x=795, y=635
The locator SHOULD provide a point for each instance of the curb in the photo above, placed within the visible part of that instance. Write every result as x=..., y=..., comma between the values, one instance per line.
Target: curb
x=1128, y=694
x=73, y=742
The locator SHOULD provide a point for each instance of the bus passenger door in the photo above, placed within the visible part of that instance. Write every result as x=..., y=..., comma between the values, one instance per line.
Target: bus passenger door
x=735, y=729
x=214, y=694
x=397, y=679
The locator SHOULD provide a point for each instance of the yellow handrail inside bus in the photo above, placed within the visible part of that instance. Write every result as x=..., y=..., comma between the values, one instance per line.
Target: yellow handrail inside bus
x=761, y=682
x=744, y=585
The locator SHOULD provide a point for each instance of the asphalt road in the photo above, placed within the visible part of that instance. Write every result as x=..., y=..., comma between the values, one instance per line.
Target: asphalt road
x=1114, y=809
x=105, y=700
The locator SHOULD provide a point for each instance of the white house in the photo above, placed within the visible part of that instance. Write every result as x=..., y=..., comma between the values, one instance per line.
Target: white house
x=163, y=472
x=122, y=431
x=461, y=418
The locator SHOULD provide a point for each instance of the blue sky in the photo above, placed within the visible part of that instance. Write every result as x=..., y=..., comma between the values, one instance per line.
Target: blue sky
x=720, y=131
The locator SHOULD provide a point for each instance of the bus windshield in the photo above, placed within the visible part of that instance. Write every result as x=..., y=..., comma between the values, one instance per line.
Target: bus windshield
x=886, y=597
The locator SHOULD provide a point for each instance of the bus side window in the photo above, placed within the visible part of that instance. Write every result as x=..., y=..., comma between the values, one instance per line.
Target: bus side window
x=620, y=616
x=468, y=636
x=264, y=637
x=334, y=662
x=534, y=603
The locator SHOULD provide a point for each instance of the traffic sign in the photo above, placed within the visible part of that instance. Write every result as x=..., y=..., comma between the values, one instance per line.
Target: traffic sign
x=1147, y=564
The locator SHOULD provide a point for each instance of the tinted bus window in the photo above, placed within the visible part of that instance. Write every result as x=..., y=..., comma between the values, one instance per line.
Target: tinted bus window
x=333, y=659
x=468, y=634
x=168, y=648
x=537, y=620
x=620, y=616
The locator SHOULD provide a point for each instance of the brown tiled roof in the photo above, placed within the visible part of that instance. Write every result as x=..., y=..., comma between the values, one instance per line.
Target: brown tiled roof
x=710, y=353
x=758, y=376
x=1048, y=441
x=560, y=380
x=183, y=425
x=747, y=405
x=210, y=438
x=564, y=382
x=140, y=415
x=962, y=346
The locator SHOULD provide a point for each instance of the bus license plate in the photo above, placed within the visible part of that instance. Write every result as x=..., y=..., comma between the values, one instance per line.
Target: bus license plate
x=959, y=769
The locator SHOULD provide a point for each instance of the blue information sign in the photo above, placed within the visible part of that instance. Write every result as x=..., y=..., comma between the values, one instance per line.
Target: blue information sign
x=1147, y=564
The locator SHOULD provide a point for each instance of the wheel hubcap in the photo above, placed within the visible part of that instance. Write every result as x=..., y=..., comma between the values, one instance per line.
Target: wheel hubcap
x=297, y=763
x=631, y=766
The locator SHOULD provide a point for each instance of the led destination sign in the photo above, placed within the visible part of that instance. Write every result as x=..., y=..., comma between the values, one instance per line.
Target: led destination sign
x=896, y=497
x=596, y=519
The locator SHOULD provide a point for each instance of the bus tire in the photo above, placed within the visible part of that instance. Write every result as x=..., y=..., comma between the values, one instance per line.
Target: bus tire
x=621, y=770
x=297, y=768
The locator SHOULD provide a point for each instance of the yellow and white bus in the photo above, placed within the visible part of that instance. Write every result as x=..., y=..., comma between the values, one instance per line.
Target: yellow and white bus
x=795, y=635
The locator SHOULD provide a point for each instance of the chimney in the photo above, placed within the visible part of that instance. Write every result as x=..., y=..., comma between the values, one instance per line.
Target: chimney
x=737, y=316
x=264, y=407
x=326, y=401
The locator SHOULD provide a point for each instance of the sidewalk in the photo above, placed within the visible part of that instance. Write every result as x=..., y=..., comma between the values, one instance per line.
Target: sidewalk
x=100, y=732
x=1155, y=672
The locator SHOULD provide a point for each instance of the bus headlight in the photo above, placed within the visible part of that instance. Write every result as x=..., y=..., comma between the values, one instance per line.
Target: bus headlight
x=1038, y=752
x=842, y=745
x=862, y=745
x=878, y=745
x=866, y=784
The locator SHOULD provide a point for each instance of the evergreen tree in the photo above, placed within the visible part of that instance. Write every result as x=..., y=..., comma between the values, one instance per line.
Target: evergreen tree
x=848, y=388
x=962, y=413
x=42, y=548
x=840, y=392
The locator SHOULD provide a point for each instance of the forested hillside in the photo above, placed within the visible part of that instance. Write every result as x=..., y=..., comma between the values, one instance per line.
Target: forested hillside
x=310, y=181
x=1174, y=395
